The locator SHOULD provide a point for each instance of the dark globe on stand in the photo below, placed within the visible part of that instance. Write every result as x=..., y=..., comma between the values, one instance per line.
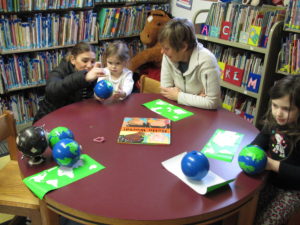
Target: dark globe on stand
x=103, y=89
x=59, y=133
x=32, y=142
x=66, y=152
x=252, y=159
x=195, y=165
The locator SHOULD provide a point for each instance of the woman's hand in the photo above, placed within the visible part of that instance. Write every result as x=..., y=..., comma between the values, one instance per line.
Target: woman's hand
x=272, y=165
x=170, y=92
x=95, y=72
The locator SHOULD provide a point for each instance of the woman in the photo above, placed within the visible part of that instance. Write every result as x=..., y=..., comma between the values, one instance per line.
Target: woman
x=72, y=81
x=189, y=73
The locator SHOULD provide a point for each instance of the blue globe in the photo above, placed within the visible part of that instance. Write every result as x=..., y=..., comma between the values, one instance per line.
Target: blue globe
x=59, y=133
x=195, y=165
x=66, y=152
x=104, y=89
x=252, y=159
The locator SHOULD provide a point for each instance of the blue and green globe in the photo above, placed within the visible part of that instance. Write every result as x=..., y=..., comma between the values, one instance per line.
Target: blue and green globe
x=252, y=159
x=66, y=152
x=59, y=133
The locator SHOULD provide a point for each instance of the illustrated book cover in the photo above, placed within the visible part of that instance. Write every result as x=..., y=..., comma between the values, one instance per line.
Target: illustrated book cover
x=136, y=130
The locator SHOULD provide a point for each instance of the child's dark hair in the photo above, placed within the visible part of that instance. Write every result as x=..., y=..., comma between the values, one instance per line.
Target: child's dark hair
x=289, y=85
x=79, y=48
x=119, y=49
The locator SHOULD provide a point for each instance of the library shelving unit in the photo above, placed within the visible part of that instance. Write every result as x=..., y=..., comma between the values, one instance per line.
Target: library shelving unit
x=268, y=55
x=284, y=68
x=18, y=50
x=32, y=43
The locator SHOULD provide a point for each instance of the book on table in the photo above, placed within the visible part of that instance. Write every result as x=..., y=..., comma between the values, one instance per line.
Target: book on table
x=138, y=130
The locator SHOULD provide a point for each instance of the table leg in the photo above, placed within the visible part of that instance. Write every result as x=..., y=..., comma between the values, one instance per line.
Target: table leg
x=247, y=213
x=48, y=216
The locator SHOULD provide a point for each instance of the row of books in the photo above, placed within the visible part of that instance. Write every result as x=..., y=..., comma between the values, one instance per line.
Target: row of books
x=242, y=65
x=25, y=70
x=47, y=30
x=289, y=57
x=23, y=105
x=130, y=1
x=125, y=21
x=240, y=104
x=28, y=69
x=30, y=5
x=242, y=23
x=292, y=19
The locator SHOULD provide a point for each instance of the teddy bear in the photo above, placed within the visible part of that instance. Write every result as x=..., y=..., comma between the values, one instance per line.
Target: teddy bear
x=156, y=19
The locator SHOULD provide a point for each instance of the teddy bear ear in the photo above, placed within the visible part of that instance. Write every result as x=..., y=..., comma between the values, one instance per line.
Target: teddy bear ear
x=255, y=2
x=246, y=2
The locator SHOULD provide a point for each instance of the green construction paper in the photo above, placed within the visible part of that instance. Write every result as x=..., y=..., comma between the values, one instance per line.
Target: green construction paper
x=222, y=145
x=167, y=110
x=211, y=188
x=57, y=177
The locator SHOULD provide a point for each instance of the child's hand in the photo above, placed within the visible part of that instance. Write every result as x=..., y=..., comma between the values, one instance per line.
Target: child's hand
x=119, y=95
x=95, y=72
x=98, y=99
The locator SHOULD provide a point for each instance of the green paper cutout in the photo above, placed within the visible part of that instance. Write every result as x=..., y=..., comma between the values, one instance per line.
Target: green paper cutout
x=222, y=145
x=167, y=110
x=57, y=177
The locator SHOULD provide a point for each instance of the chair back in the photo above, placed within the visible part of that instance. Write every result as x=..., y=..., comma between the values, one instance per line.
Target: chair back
x=149, y=85
x=8, y=133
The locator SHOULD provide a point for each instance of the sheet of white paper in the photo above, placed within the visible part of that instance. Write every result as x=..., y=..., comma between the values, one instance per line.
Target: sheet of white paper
x=173, y=165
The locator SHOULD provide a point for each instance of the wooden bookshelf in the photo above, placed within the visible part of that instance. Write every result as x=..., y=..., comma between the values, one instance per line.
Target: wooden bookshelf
x=268, y=70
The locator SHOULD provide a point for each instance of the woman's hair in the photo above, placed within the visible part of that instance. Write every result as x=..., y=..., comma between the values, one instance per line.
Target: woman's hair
x=119, y=49
x=289, y=85
x=79, y=48
x=177, y=32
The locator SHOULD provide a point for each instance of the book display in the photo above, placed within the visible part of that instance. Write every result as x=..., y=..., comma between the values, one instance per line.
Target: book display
x=288, y=61
x=35, y=36
x=244, y=39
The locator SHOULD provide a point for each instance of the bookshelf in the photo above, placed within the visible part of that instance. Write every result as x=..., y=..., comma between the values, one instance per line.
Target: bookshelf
x=258, y=97
x=288, y=61
x=35, y=37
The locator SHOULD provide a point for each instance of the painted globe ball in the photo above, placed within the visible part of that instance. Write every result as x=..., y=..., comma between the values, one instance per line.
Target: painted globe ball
x=195, y=165
x=32, y=141
x=104, y=89
x=66, y=152
x=252, y=159
x=59, y=133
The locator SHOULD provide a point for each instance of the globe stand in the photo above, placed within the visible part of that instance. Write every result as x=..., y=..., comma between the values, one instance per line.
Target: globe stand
x=36, y=160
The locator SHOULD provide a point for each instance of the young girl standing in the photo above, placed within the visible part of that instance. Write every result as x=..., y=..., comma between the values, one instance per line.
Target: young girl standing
x=280, y=137
x=117, y=56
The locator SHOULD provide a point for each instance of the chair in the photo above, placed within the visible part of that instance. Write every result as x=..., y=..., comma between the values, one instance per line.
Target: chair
x=149, y=85
x=15, y=197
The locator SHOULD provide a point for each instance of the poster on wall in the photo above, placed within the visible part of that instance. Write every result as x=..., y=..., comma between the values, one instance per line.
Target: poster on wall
x=186, y=4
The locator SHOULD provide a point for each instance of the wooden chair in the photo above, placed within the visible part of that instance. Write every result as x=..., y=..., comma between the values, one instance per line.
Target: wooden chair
x=149, y=85
x=15, y=197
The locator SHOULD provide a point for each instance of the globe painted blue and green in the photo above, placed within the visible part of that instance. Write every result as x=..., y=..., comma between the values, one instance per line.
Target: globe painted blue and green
x=66, y=152
x=59, y=133
x=252, y=159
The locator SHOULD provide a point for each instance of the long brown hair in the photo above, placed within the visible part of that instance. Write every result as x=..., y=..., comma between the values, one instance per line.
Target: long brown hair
x=289, y=85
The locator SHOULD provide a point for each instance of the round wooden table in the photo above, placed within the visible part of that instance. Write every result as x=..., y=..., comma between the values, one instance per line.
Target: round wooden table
x=135, y=188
